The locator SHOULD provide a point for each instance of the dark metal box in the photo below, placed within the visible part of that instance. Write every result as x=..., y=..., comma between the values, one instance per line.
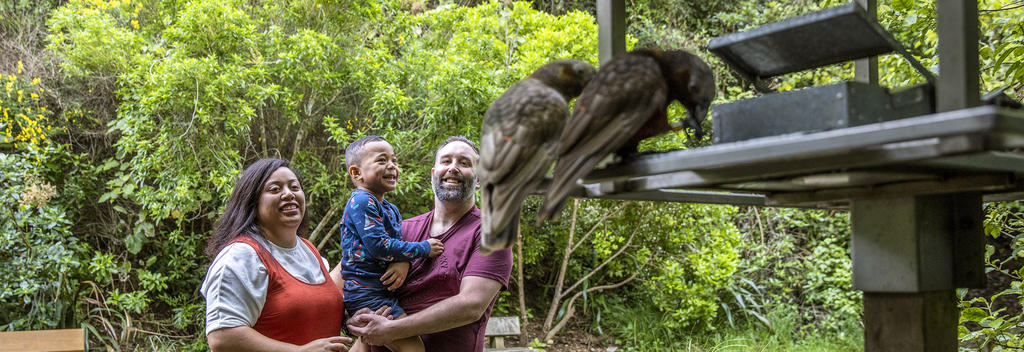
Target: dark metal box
x=814, y=109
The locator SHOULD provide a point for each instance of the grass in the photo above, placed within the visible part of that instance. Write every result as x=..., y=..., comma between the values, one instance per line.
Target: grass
x=646, y=330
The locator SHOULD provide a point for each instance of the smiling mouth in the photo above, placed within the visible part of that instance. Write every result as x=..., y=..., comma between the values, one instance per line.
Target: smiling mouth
x=290, y=208
x=453, y=180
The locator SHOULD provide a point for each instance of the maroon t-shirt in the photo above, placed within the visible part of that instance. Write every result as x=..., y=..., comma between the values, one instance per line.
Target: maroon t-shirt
x=431, y=280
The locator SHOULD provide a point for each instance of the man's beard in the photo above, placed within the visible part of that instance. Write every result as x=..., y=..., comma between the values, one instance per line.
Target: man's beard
x=452, y=192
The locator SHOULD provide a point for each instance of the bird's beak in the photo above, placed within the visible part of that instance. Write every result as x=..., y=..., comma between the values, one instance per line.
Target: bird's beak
x=697, y=115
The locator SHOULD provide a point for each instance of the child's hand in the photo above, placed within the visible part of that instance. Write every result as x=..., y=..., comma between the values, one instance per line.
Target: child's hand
x=394, y=277
x=436, y=247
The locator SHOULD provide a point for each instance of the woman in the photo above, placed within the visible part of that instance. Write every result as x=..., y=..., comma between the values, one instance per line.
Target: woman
x=268, y=289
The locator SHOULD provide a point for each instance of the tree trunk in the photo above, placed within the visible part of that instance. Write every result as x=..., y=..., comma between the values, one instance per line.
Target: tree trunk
x=522, y=290
x=556, y=298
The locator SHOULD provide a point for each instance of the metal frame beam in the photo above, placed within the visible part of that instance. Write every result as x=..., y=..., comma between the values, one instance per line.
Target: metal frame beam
x=866, y=70
x=611, y=29
x=958, y=84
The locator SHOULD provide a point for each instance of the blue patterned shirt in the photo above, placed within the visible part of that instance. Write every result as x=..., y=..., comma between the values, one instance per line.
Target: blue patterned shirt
x=371, y=238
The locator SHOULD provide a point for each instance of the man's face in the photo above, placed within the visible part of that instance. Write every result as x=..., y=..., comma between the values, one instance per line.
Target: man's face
x=453, y=176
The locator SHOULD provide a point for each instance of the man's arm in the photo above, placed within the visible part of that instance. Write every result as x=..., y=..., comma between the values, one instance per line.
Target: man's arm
x=475, y=295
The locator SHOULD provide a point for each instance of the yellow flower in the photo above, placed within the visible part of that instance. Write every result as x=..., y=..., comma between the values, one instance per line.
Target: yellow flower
x=19, y=95
x=10, y=86
x=20, y=67
x=34, y=96
x=35, y=81
x=43, y=109
x=135, y=24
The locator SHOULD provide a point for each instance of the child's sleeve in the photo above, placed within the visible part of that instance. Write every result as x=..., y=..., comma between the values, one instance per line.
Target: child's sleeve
x=376, y=242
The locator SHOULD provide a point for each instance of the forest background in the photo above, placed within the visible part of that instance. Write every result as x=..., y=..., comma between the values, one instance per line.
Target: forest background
x=126, y=123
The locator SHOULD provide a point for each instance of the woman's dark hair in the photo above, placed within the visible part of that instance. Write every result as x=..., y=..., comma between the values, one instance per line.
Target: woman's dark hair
x=239, y=218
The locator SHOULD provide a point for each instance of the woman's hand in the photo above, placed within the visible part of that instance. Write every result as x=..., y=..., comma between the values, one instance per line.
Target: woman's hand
x=336, y=343
x=395, y=275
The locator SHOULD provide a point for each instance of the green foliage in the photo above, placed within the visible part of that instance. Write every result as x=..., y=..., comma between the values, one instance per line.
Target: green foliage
x=643, y=328
x=686, y=282
x=112, y=181
x=993, y=322
x=195, y=90
x=40, y=257
x=94, y=36
x=796, y=258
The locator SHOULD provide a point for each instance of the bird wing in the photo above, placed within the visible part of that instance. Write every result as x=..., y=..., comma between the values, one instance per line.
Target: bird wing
x=518, y=144
x=617, y=103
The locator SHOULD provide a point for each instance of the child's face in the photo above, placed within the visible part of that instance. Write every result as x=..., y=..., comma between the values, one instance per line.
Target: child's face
x=378, y=171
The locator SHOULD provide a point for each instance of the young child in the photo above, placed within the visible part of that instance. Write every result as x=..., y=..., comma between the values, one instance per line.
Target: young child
x=371, y=234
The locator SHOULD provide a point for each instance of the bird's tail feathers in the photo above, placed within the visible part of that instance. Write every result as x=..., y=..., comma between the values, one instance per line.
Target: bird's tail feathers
x=501, y=239
x=562, y=184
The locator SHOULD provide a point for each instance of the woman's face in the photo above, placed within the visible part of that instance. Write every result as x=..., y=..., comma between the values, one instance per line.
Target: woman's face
x=282, y=202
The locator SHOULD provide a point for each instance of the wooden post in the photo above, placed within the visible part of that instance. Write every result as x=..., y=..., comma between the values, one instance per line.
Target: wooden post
x=611, y=28
x=900, y=322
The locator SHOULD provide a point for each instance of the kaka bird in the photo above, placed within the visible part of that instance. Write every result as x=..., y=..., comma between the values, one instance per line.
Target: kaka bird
x=625, y=103
x=518, y=144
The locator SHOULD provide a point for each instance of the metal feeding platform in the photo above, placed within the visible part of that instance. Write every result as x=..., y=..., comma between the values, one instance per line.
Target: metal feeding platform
x=822, y=38
x=831, y=36
x=822, y=146
x=913, y=166
x=963, y=150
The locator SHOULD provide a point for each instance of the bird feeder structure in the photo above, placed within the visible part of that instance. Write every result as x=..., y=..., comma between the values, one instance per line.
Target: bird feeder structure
x=913, y=166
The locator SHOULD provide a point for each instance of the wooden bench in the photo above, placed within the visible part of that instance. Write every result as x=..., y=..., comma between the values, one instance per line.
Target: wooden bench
x=43, y=340
x=500, y=327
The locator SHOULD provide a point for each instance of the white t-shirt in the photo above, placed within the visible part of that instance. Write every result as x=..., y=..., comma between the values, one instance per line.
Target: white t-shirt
x=235, y=286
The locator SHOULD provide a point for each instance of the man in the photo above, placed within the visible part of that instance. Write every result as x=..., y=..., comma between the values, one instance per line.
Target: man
x=448, y=298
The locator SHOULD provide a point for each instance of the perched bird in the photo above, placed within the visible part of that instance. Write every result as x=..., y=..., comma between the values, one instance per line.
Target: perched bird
x=625, y=103
x=519, y=141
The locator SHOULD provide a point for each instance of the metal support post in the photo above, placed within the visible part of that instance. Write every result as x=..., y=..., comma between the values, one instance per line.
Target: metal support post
x=866, y=70
x=611, y=28
x=907, y=260
x=958, y=84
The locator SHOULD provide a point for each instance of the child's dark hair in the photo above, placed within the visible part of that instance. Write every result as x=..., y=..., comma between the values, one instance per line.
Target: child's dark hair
x=354, y=151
